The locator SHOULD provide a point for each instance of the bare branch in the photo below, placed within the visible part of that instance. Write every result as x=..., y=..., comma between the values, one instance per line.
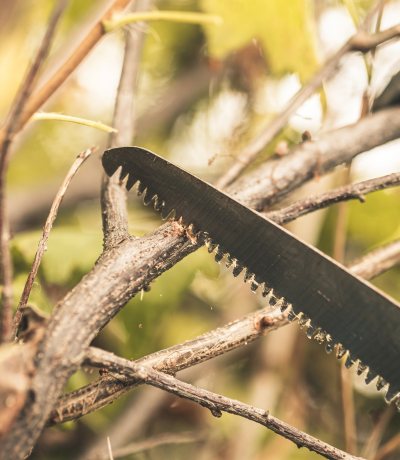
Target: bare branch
x=171, y=360
x=154, y=441
x=388, y=448
x=36, y=101
x=345, y=193
x=251, y=151
x=119, y=274
x=113, y=193
x=9, y=130
x=378, y=431
x=45, y=235
x=276, y=178
x=215, y=403
x=207, y=346
x=377, y=262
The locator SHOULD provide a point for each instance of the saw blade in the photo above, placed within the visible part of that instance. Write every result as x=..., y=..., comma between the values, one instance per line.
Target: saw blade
x=335, y=305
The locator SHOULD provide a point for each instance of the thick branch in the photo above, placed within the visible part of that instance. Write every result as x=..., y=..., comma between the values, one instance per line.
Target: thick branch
x=45, y=235
x=117, y=276
x=346, y=193
x=171, y=360
x=207, y=346
x=216, y=403
x=276, y=178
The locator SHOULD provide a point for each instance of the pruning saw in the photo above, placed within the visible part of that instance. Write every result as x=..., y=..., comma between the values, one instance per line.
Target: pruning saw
x=335, y=305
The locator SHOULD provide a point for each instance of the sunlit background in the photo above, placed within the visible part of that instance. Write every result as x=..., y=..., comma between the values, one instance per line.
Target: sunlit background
x=203, y=93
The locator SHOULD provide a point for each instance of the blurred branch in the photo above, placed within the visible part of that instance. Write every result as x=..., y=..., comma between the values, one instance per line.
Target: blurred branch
x=113, y=194
x=171, y=360
x=365, y=42
x=129, y=424
x=45, y=235
x=207, y=346
x=9, y=131
x=374, y=440
x=276, y=178
x=65, y=70
x=154, y=441
x=215, y=403
x=357, y=42
x=377, y=262
x=388, y=448
x=345, y=193
x=80, y=121
x=117, y=21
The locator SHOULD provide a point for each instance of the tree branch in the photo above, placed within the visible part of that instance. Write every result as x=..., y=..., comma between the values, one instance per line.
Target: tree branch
x=36, y=101
x=207, y=346
x=119, y=274
x=256, y=145
x=345, y=193
x=9, y=130
x=377, y=262
x=216, y=403
x=113, y=193
x=45, y=235
x=276, y=178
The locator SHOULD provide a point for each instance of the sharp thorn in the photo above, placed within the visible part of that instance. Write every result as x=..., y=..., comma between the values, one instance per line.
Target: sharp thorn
x=370, y=376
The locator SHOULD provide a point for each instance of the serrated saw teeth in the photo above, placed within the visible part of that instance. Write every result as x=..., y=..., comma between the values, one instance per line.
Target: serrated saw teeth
x=124, y=173
x=361, y=368
x=341, y=351
x=371, y=375
x=349, y=362
x=381, y=382
x=227, y=222
x=149, y=195
x=392, y=393
x=140, y=188
x=131, y=181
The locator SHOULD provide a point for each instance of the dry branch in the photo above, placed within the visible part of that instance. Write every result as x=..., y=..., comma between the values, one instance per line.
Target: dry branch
x=45, y=235
x=345, y=193
x=359, y=42
x=215, y=403
x=113, y=194
x=276, y=178
x=9, y=131
x=207, y=346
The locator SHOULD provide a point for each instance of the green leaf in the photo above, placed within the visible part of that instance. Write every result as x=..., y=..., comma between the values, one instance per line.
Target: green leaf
x=71, y=253
x=282, y=28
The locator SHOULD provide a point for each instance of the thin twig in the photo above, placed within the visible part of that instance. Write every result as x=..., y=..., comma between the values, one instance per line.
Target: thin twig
x=215, y=403
x=117, y=21
x=345, y=193
x=374, y=440
x=109, y=449
x=9, y=130
x=45, y=235
x=113, y=193
x=358, y=42
x=80, y=121
x=155, y=441
x=207, y=346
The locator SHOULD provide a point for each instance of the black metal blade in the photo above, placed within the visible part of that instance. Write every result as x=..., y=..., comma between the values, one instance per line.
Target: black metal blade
x=337, y=306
